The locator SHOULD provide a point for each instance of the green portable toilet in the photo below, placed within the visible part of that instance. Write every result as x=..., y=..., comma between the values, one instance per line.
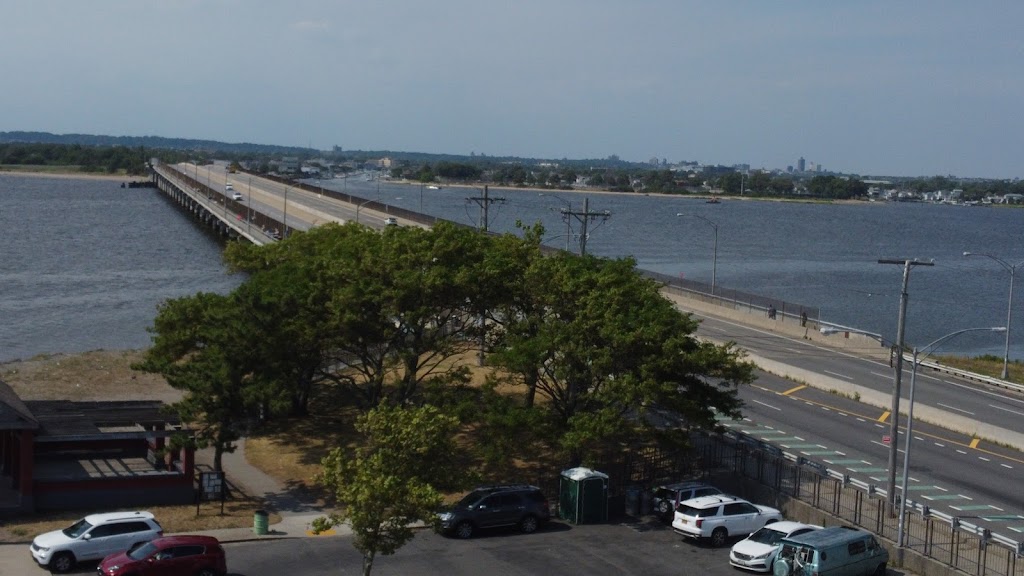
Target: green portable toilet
x=583, y=496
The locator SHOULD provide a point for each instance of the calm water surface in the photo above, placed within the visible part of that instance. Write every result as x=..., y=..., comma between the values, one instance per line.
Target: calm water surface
x=85, y=263
x=823, y=255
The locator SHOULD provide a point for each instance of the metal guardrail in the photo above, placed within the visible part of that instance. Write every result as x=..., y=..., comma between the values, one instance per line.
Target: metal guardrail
x=967, y=375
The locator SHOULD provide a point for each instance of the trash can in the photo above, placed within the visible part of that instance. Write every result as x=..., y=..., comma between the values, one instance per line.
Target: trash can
x=633, y=501
x=260, y=519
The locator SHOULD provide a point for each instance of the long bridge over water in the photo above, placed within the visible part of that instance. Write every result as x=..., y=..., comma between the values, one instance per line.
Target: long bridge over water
x=264, y=209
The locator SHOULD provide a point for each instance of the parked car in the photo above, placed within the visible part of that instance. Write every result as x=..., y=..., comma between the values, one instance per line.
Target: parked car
x=717, y=518
x=757, y=551
x=518, y=505
x=836, y=551
x=391, y=221
x=666, y=497
x=94, y=537
x=170, y=556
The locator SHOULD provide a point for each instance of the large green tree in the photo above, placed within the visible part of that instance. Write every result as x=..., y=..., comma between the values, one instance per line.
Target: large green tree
x=202, y=348
x=394, y=479
x=379, y=313
x=611, y=356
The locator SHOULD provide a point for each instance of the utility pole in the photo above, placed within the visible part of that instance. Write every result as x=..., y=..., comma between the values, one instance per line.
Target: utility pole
x=484, y=202
x=894, y=424
x=583, y=218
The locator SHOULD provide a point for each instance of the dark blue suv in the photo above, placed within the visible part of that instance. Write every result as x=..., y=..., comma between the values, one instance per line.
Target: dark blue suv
x=519, y=505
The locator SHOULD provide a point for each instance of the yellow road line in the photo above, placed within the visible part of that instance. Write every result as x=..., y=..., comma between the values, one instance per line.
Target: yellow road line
x=885, y=416
x=792, y=390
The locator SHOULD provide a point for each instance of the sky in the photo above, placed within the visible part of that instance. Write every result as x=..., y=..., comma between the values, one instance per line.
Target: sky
x=883, y=88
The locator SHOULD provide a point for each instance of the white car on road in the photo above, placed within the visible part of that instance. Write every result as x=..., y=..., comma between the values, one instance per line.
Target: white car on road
x=757, y=551
x=717, y=518
x=93, y=538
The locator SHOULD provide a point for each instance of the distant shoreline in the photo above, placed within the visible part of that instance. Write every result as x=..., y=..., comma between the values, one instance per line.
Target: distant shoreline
x=7, y=171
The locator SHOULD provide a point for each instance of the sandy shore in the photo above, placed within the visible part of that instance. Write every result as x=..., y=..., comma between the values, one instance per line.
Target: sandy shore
x=72, y=175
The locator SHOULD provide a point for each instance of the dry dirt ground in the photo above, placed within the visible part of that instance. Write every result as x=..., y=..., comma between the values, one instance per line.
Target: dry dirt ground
x=106, y=375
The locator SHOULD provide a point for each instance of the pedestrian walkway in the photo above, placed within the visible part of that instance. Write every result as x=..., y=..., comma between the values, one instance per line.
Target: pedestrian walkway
x=297, y=514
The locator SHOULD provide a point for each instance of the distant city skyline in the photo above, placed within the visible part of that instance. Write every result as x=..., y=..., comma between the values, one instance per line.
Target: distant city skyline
x=869, y=87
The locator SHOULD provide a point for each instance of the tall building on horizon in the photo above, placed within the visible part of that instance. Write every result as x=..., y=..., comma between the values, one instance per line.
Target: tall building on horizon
x=801, y=164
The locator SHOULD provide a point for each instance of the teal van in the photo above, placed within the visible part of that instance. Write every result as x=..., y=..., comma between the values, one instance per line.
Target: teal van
x=836, y=551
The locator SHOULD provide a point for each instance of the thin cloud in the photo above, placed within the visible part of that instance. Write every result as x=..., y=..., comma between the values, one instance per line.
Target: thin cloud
x=311, y=25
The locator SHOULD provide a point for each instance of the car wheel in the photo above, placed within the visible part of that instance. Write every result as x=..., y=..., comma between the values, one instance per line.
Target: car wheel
x=528, y=525
x=62, y=562
x=718, y=537
x=464, y=529
x=663, y=507
x=880, y=571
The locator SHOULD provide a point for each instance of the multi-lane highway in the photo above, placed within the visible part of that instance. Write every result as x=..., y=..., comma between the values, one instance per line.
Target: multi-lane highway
x=957, y=473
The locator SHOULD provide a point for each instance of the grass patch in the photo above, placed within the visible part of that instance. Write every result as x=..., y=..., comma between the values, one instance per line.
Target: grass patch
x=987, y=365
x=173, y=519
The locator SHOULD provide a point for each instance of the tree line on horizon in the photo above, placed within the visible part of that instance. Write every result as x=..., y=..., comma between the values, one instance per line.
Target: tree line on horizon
x=610, y=174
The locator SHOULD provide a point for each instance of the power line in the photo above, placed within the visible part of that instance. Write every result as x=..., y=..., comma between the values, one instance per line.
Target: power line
x=583, y=218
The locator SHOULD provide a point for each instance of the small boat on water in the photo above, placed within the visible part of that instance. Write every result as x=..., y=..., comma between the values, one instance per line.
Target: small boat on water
x=712, y=201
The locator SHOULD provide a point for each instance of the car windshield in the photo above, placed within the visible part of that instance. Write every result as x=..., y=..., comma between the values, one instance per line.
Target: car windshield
x=472, y=498
x=143, y=551
x=77, y=529
x=766, y=536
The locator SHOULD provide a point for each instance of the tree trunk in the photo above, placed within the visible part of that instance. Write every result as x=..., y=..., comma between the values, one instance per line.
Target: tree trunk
x=367, y=563
x=218, y=457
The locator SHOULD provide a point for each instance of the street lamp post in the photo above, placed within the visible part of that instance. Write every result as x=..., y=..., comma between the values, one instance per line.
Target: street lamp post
x=358, y=206
x=916, y=361
x=714, y=259
x=1011, y=268
x=248, y=209
x=284, y=233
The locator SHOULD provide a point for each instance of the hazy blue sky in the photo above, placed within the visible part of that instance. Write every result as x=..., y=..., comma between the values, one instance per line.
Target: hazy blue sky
x=871, y=87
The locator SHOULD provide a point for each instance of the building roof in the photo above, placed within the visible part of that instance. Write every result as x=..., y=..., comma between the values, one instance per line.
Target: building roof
x=65, y=420
x=14, y=415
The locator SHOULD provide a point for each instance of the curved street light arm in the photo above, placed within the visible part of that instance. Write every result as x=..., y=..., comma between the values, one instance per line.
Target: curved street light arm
x=916, y=361
x=1011, y=268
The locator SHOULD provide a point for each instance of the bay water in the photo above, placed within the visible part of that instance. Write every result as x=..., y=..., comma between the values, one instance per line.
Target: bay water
x=85, y=263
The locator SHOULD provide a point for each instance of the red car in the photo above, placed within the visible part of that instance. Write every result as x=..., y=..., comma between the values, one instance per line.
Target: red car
x=169, y=556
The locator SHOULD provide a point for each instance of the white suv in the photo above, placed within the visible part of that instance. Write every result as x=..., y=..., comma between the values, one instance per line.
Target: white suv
x=718, y=517
x=93, y=538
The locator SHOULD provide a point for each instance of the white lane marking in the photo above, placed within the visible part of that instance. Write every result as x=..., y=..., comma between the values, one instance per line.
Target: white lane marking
x=955, y=408
x=983, y=458
x=1007, y=409
x=940, y=445
x=880, y=375
x=838, y=374
x=961, y=451
x=983, y=391
x=768, y=405
x=1007, y=466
